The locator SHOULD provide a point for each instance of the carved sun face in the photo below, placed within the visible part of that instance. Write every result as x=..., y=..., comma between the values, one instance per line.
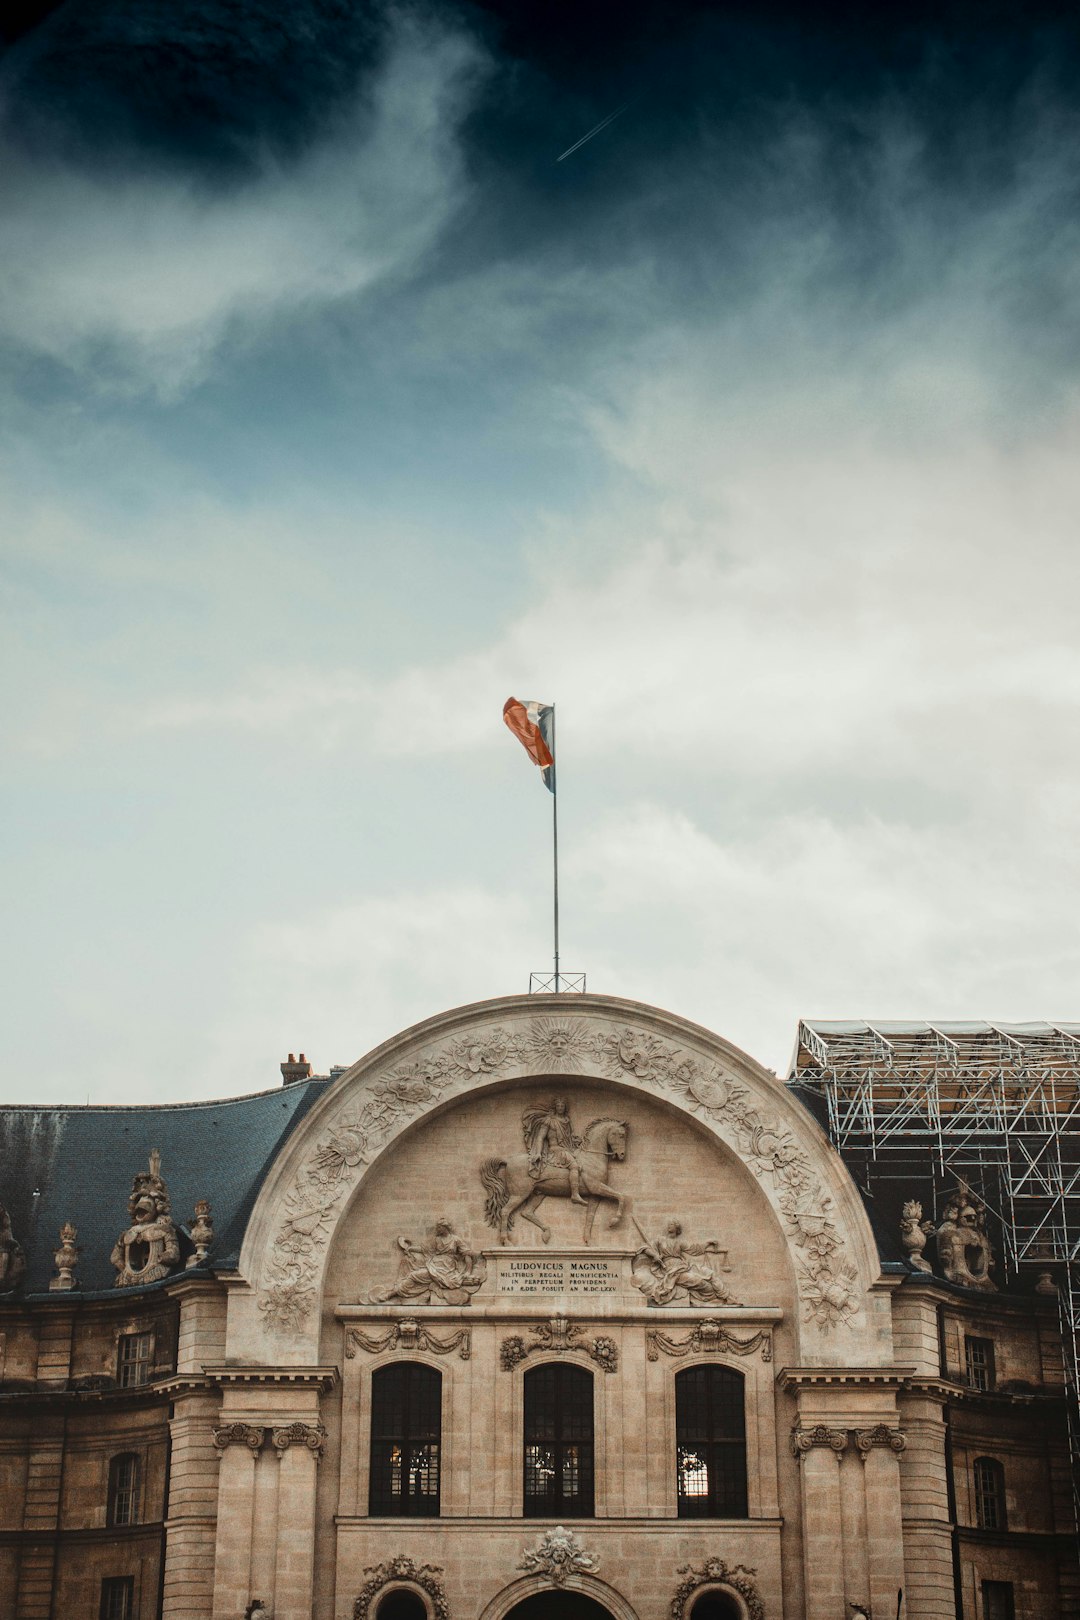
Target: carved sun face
x=560, y=1048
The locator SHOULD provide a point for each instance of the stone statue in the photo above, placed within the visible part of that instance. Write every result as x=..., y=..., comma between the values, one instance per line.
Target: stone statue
x=672, y=1271
x=12, y=1259
x=256, y=1610
x=442, y=1266
x=914, y=1232
x=551, y=1144
x=150, y=1248
x=202, y=1234
x=65, y=1259
x=963, y=1248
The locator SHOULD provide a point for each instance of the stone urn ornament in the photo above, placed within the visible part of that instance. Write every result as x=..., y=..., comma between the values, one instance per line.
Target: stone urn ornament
x=914, y=1232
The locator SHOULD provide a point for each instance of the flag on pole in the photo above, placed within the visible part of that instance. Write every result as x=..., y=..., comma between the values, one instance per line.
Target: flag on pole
x=533, y=724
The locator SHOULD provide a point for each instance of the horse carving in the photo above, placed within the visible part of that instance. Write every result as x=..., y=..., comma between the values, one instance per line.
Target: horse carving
x=571, y=1168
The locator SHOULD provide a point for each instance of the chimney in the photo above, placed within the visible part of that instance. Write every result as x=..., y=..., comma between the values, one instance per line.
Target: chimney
x=295, y=1069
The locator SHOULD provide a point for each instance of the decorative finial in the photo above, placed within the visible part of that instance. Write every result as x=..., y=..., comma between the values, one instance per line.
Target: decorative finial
x=66, y=1259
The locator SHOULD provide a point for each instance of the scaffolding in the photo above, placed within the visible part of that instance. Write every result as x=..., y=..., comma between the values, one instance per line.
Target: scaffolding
x=996, y=1105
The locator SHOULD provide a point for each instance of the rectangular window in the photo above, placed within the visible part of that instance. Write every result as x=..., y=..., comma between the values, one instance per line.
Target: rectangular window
x=979, y=1358
x=124, y=1489
x=133, y=1359
x=989, y=1494
x=117, y=1598
x=997, y=1600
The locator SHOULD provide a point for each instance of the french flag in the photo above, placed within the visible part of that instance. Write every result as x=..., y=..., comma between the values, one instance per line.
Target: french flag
x=533, y=724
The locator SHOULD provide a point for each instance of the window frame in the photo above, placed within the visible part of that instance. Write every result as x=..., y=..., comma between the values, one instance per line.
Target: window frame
x=563, y=1375
x=989, y=1494
x=714, y=1446
x=975, y=1347
x=128, y=1495
x=137, y=1363
x=112, y=1586
x=384, y=1504
x=1003, y=1589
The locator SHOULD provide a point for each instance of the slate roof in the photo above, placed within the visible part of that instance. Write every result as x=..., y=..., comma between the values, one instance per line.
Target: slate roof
x=77, y=1164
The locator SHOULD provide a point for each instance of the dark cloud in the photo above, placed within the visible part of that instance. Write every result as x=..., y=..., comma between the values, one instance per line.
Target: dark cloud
x=214, y=85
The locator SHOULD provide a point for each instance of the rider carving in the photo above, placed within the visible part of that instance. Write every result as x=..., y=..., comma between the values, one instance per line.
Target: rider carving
x=550, y=1141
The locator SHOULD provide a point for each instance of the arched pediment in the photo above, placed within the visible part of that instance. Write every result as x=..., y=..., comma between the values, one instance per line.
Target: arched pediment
x=421, y=1072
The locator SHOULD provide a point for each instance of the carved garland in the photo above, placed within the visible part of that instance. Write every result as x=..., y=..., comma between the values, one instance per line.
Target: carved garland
x=707, y=1337
x=401, y=1568
x=555, y=1046
x=715, y=1571
x=408, y=1335
x=559, y=1334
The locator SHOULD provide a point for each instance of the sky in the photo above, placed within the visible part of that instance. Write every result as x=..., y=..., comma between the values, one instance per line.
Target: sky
x=337, y=406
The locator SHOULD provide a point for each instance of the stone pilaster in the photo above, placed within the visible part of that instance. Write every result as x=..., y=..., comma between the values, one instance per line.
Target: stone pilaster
x=191, y=1512
x=880, y=1449
x=299, y=1446
x=239, y=1445
x=820, y=1450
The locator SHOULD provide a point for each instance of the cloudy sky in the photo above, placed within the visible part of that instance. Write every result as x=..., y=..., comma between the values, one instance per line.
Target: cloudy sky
x=336, y=409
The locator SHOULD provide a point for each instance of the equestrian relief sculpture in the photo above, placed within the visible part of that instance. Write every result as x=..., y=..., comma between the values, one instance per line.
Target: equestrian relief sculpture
x=557, y=1163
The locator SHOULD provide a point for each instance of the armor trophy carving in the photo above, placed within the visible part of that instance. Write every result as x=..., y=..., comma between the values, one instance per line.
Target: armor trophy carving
x=150, y=1248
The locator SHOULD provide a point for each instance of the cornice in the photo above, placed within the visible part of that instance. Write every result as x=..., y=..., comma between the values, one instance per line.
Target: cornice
x=321, y=1378
x=792, y=1379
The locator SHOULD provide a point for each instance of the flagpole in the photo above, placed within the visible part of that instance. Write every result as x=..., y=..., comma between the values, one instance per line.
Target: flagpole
x=555, y=845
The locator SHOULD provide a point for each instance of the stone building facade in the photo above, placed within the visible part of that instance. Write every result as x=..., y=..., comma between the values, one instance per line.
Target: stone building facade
x=549, y=1306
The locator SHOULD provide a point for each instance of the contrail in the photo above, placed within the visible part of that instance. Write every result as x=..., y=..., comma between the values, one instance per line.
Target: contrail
x=603, y=124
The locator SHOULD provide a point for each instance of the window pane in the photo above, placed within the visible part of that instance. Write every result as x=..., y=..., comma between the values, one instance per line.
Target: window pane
x=117, y=1597
x=406, y=1413
x=710, y=1423
x=558, y=1441
x=989, y=1479
x=123, y=1489
x=979, y=1360
x=997, y=1599
x=133, y=1360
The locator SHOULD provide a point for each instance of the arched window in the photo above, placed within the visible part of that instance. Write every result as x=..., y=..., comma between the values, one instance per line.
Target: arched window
x=401, y=1604
x=710, y=1433
x=716, y=1606
x=406, y=1429
x=989, y=1494
x=123, y=1489
x=558, y=1442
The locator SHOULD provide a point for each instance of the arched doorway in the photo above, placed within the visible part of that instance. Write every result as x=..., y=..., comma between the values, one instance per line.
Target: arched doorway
x=558, y=1605
x=401, y=1603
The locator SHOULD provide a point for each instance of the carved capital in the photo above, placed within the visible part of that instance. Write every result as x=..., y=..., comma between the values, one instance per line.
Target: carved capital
x=880, y=1435
x=238, y=1434
x=802, y=1440
x=311, y=1435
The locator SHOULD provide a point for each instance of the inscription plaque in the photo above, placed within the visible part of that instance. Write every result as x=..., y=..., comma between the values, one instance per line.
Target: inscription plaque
x=558, y=1274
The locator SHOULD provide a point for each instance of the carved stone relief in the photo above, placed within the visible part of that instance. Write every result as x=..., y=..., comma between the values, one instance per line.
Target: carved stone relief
x=408, y=1335
x=706, y=1337
x=402, y=1569
x=558, y=1334
x=438, y=1271
x=150, y=1248
x=364, y=1124
x=674, y=1271
x=716, y=1572
x=558, y=1554
x=556, y=1163
x=12, y=1258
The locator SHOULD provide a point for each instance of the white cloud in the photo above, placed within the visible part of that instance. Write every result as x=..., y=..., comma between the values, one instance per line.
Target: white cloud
x=135, y=280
